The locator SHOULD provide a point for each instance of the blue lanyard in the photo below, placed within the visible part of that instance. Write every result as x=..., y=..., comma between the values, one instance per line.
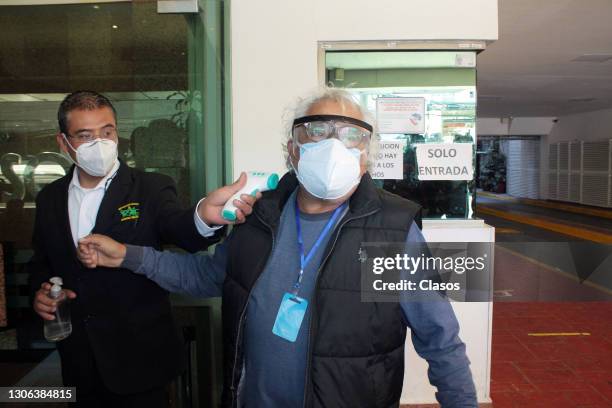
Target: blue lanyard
x=305, y=259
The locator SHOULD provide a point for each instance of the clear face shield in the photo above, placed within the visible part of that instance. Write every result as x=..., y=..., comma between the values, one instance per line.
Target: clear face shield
x=353, y=133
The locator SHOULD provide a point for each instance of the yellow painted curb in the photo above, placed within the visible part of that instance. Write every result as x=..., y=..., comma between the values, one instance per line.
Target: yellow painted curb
x=557, y=334
x=582, y=233
x=568, y=207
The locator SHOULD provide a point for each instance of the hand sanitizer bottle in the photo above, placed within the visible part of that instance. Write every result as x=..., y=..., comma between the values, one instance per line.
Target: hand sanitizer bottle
x=61, y=327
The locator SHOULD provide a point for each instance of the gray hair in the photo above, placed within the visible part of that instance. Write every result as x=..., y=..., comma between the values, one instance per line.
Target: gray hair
x=326, y=93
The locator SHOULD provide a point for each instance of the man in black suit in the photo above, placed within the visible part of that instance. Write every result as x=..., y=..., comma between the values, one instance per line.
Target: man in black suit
x=124, y=348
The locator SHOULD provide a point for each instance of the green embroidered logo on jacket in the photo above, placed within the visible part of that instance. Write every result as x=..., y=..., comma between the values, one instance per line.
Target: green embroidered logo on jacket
x=129, y=211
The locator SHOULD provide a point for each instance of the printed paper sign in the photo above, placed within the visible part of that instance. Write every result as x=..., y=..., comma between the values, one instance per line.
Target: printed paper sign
x=444, y=161
x=389, y=162
x=400, y=115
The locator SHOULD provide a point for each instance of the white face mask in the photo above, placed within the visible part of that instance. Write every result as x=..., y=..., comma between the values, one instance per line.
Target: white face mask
x=327, y=169
x=96, y=158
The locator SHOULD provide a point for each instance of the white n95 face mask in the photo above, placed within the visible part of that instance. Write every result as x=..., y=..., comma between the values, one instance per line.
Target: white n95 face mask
x=97, y=157
x=327, y=169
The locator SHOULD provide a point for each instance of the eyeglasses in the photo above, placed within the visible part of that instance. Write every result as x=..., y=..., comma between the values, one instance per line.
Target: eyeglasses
x=350, y=131
x=87, y=136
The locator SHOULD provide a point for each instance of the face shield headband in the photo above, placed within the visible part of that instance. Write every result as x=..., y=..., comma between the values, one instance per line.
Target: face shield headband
x=336, y=118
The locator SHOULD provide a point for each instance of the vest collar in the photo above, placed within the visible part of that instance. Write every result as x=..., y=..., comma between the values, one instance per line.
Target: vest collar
x=364, y=200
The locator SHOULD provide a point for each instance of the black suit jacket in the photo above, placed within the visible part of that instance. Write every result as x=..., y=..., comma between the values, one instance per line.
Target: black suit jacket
x=121, y=319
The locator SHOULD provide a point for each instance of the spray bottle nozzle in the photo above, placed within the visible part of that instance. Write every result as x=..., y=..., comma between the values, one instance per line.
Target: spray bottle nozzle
x=56, y=280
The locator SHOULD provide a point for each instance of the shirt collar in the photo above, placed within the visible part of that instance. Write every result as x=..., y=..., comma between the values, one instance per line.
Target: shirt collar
x=101, y=185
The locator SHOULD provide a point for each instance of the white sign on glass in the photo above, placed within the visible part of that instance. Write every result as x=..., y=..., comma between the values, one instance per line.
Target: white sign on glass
x=444, y=161
x=389, y=162
x=400, y=115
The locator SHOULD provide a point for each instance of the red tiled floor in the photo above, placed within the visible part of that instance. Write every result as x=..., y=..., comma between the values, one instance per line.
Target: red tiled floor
x=604, y=388
x=552, y=371
x=586, y=397
x=512, y=352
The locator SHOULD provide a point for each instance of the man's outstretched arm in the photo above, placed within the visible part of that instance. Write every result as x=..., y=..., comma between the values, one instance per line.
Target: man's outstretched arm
x=200, y=275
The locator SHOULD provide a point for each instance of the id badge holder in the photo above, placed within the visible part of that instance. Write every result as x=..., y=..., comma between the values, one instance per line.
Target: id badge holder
x=290, y=316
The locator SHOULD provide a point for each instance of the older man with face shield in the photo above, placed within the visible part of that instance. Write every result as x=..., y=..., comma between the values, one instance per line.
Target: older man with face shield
x=296, y=332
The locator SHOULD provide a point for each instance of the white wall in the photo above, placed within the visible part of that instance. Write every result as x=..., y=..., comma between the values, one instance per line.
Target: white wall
x=519, y=126
x=274, y=54
x=492, y=126
x=531, y=126
x=596, y=125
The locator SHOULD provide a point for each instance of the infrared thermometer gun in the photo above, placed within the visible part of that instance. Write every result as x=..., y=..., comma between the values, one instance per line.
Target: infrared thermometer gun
x=256, y=181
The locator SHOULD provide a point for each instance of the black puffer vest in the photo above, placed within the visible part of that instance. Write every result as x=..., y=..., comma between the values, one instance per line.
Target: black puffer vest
x=356, y=349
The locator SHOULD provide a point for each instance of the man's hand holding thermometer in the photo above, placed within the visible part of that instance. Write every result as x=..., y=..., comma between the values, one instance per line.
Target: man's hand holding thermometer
x=232, y=203
x=257, y=182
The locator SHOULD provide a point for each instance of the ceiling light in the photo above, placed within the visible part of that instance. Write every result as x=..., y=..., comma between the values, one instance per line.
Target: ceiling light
x=115, y=26
x=593, y=58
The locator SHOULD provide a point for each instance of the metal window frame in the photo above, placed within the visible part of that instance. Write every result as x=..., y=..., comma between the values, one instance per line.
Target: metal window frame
x=391, y=45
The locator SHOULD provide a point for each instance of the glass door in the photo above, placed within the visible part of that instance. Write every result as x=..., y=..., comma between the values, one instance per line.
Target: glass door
x=165, y=74
x=425, y=105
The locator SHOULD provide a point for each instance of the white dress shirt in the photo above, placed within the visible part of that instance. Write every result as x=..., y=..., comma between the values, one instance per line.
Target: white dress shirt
x=84, y=203
x=202, y=227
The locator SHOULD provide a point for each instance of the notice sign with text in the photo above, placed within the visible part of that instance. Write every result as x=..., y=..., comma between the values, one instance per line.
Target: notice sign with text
x=400, y=115
x=444, y=161
x=389, y=162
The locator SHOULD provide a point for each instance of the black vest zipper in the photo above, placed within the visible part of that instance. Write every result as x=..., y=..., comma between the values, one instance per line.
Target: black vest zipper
x=314, y=298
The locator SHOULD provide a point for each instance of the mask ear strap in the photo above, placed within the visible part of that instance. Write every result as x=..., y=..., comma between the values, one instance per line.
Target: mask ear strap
x=68, y=154
x=366, y=151
x=68, y=143
x=294, y=144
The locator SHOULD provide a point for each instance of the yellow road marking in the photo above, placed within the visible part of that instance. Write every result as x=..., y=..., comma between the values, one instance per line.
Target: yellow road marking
x=596, y=212
x=529, y=215
x=589, y=235
x=506, y=230
x=557, y=334
x=569, y=208
x=495, y=196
